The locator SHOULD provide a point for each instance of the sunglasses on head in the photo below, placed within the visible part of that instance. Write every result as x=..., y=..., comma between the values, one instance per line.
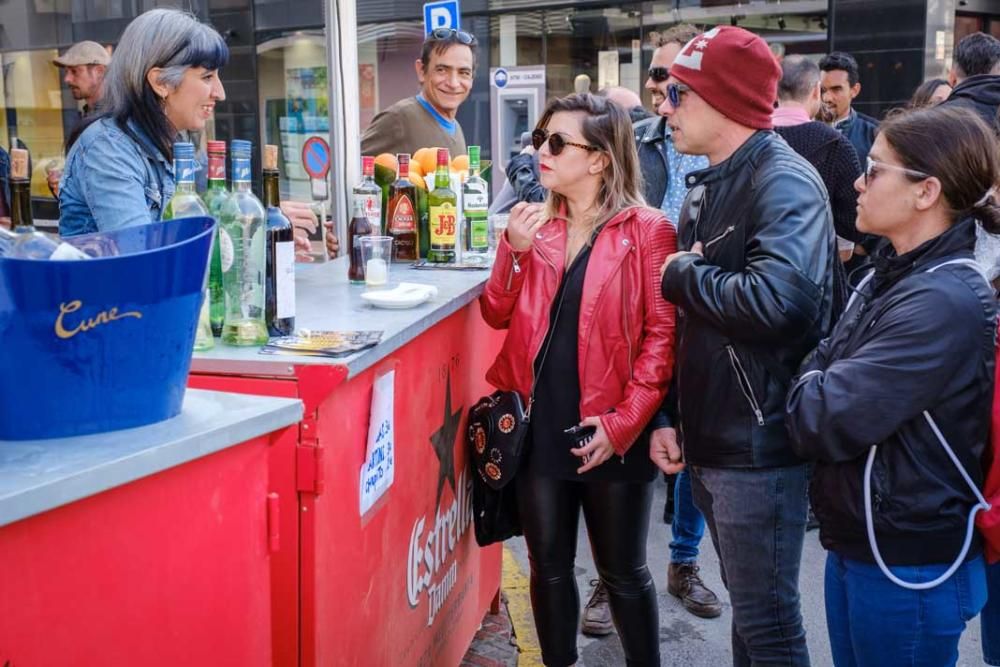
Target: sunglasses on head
x=468, y=39
x=674, y=92
x=873, y=167
x=659, y=74
x=557, y=144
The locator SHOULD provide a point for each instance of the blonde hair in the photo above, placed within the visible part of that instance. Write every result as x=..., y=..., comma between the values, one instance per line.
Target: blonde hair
x=608, y=127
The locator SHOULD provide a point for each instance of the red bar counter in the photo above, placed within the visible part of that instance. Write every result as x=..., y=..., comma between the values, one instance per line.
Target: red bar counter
x=148, y=546
x=404, y=583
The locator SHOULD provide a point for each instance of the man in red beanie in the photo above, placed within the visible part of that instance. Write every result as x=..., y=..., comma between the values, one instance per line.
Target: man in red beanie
x=753, y=289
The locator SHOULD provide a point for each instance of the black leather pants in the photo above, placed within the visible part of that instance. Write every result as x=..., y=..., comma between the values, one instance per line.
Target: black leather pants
x=617, y=518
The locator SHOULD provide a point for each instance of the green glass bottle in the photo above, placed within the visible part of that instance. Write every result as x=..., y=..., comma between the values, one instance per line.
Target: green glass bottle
x=242, y=245
x=442, y=209
x=475, y=211
x=186, y=204
x=214, y=197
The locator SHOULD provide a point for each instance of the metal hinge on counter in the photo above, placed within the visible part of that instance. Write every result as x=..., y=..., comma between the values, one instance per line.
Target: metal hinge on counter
x=309, y=458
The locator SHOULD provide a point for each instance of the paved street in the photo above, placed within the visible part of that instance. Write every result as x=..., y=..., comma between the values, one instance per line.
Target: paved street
x=685, y=639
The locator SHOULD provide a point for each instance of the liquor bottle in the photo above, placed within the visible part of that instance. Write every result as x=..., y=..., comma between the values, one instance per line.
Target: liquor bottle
x=475, y=211
x=401, y=217
x=442, y=207
x=214, y=197
x=20, y=192
x=242, y=246
x=29, y=244
x=370, y=193
x=186, y=204
x=360, y=226
x=279, y=301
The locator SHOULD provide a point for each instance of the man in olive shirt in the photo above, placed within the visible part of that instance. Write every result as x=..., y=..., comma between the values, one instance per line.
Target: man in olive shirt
x=445, y=69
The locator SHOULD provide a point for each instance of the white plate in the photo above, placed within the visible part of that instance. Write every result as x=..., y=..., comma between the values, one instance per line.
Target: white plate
x=406, y=295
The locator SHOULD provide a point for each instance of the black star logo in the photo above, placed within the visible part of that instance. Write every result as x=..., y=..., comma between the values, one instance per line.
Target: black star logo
x=444, y=443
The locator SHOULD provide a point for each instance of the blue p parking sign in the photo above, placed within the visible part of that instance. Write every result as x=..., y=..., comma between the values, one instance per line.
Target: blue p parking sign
x=442, y=14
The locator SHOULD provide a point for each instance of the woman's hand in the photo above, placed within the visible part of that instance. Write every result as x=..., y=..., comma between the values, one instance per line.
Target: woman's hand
x=665, y=452
x=598, y=450
x=524, y=222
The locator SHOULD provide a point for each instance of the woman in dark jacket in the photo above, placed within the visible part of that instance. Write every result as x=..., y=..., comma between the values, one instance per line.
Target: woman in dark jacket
x=907, y=369
x=590, y=339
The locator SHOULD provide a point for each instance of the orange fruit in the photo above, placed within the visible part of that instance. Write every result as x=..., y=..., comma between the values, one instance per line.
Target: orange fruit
x=387, y=160
x=418, y=180
x=416, y=168
x=427, y=157
x=460, y=163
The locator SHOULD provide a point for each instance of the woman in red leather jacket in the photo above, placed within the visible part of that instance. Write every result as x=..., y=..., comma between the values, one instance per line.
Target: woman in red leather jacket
x=590, y=342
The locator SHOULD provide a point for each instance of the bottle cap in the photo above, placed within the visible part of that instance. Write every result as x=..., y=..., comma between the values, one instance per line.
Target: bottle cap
x=271, y=157
x=19, y=163
x=217, y=147
x=183, y=150
x=367, y=165
x=240, y=148
x=443, y=157
x=403, y=159
x=473, y=157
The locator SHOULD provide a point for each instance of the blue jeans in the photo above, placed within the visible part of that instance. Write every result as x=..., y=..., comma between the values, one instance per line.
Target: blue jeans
x=757, y=519
x=872, y=621
x=990, y=620
x=688, y=526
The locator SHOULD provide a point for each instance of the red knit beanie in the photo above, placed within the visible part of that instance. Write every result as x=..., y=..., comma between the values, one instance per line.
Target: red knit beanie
x=734, y=71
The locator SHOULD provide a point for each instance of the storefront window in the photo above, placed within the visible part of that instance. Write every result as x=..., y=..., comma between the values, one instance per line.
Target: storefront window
x=386, y=53
x=294, y=102
x=31, y=97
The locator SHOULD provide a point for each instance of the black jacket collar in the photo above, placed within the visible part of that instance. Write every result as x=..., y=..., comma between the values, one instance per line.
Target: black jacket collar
x=733, y=163
x=958, y=240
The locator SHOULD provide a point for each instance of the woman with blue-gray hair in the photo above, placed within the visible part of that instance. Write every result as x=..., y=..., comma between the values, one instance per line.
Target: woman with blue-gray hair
x=163, y=80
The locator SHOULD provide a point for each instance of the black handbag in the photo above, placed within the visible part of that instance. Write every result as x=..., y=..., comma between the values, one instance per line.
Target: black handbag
x=498, y=426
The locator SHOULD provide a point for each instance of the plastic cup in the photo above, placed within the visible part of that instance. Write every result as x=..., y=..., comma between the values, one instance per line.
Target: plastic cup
x=376, y=253
x=498, y=224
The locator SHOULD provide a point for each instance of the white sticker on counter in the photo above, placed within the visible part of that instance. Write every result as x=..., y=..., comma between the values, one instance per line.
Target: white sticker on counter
x=380, y=459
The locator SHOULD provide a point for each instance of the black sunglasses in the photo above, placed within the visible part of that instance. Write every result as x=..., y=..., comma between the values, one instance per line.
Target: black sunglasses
x=466, y=38
x=674, y=92
x=557, y=144
x=659, y=74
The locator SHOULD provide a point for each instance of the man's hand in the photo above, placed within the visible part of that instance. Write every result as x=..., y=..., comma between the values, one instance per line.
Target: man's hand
x=524, y=222
x=697, y=249
x=332, y=244
x=304, y=222
x=52, y=177
x=665, y=452
x=597, y=451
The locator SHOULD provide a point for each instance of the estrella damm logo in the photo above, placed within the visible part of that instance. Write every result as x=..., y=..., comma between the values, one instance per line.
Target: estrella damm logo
x=86, y=324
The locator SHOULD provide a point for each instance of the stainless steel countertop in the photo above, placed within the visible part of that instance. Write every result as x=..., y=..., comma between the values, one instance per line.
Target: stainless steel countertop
x=326, y=301
x=39, y=475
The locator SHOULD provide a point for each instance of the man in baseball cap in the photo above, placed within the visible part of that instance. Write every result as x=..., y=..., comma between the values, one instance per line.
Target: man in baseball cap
x=753, y=288
x=85, y=64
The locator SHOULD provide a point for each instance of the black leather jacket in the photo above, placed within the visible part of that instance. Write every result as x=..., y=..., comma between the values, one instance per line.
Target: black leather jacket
x=750, y=310
x=912, y=340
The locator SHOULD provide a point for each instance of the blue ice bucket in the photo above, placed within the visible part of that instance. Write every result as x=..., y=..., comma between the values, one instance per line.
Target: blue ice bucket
x=101, y=344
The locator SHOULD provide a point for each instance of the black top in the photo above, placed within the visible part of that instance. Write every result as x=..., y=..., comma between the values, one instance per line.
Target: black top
x=557, y=397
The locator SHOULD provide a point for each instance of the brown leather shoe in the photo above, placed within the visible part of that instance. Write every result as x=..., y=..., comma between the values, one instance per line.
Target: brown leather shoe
x=684, y=582
x=597, y=613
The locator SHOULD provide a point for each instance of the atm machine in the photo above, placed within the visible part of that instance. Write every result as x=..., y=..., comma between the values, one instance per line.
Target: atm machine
x=517, y=98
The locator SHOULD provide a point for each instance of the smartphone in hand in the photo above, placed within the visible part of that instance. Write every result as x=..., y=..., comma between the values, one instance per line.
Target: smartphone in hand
x=581, y=436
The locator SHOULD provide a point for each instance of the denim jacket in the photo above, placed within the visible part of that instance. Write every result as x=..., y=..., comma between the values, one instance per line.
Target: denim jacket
x=113, y=179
